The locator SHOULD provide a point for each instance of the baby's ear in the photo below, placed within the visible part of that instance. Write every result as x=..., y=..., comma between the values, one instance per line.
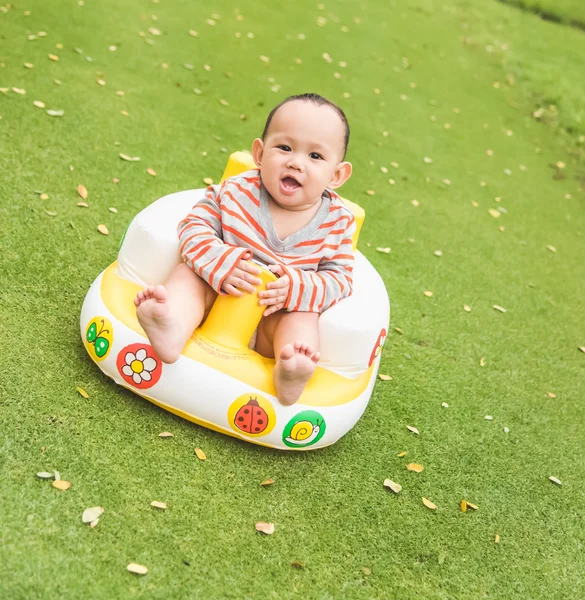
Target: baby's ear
x=257, y=151
x=341, y=175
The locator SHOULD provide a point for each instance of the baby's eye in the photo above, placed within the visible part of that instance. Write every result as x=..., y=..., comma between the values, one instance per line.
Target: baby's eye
x=315, y=155
x=284, y=147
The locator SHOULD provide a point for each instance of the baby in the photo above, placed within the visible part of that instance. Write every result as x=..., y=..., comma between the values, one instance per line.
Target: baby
x=284, y=214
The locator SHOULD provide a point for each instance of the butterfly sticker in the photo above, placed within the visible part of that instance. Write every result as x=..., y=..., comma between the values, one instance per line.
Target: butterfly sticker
x=99, y=337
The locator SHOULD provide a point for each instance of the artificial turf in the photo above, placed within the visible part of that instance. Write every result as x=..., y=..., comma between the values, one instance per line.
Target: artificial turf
x=443, y=80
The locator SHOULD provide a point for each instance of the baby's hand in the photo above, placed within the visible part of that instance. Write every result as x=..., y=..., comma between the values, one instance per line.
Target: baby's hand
x=276, y=291
x=242, y=278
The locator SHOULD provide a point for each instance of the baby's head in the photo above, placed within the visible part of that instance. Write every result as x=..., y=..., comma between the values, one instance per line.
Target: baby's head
x=302, y=151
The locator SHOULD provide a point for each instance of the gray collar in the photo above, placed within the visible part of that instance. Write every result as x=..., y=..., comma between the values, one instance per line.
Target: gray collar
x=306, y=233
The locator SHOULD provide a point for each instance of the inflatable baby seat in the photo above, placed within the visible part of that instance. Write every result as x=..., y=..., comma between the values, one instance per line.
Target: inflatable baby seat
x=218, y=381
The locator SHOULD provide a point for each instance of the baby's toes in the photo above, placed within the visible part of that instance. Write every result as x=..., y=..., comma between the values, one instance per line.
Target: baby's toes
x=316, y=356
x=297, y=345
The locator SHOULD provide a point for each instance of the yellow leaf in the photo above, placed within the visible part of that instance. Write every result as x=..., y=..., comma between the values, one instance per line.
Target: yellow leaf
x=395, y=487
x=267, y=482
x=496, y=214
x=138, y=569
x=429, y=504
x=413, y=429
x=582, y=348
x=157, y=504
x=165, y=434
x=208, y=180
x=415, y=467
x=551, y=395
x=61, y=485
x=200, y=454
x=401, y=454
x=463, y=506
x=151, y=172
x=366, y=571
x=466, y=308
x=103, y=229
x=385, y=377
x=266, y=528
x=472, y=506
x=497, y=540
x=297, y=564
x=482, y=361
x=370, y=192
x=555, y=480
x=39, y=104
x=383, y=250
x=53, y=57
x=428, y=294
x=500, y=308
x=44, y=196
x=82, y=191
x=83, y=204
x=92, y=514
x=83, y=393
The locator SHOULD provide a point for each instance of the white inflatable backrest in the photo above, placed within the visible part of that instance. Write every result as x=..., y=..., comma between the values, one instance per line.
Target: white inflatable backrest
x=349, y=331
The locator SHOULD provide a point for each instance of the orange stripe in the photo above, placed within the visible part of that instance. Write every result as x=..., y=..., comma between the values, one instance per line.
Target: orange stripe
x=324, y=292
x=206, y=241
x=338, y=256
x=249, y=241
x=210, y=211
x=332, y=223
x=301, y=290
x=309, y=243
x=248, y=193
x=252, y=221
x=219, y=263
x=305, y=261
x=314, y=294
x=339, y=283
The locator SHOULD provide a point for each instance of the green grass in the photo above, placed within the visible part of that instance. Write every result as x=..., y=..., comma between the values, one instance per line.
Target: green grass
x=330, y=509
x=566, y=11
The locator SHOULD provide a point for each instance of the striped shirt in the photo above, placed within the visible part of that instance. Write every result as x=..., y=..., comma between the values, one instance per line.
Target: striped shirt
x=233, y=222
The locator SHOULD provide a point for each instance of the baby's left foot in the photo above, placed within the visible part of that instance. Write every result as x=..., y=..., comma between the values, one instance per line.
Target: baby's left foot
x=295, y=366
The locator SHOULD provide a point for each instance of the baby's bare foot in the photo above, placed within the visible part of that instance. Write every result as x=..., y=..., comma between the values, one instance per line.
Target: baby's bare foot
x=295, y=366
x=156, y=318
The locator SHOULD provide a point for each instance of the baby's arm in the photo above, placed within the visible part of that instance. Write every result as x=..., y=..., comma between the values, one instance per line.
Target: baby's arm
x=201, y=243
x=316, y=291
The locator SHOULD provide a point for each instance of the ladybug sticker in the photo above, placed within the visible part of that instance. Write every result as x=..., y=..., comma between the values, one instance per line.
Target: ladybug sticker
x=252, y=414
x=377, y=347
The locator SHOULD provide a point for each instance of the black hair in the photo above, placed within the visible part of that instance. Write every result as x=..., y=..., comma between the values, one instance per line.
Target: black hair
x=319, y=101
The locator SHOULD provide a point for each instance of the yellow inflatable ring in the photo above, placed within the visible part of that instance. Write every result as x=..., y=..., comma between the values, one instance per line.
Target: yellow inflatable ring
x=219, y=382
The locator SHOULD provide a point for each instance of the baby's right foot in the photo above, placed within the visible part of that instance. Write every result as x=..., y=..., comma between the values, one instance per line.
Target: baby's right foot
x=156, y=318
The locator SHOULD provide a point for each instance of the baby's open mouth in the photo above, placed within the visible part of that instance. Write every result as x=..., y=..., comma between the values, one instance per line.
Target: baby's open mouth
x=290, y=184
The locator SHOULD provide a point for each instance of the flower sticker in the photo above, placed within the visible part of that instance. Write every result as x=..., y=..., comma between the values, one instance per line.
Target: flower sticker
x=139, y=365
x=377, y=347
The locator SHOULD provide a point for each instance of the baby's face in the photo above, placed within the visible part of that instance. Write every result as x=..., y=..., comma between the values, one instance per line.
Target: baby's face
x=301, y=154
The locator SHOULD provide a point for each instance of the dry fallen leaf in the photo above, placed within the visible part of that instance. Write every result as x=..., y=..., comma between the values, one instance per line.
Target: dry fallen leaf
x=551, y=395
x=129, y=158
x=463, y=506
x=266, y=528
x=297, y=564
x=582, y=348
x=200, y=454
x=138, y=569
x=45, y=475
x=82, y=191
x=39, y=104
x=496, y=214
x=428, y=294
x=555, y=480
x=61, y=485
x=413, y=429
x=415, y=467
x=44, y=196
x=401, y=454
x=157, y=504
x=151, y=172
x=472, y=506
x=429, y=504
x=385, y=377
x=482, y=361
x=208, y=180
x=103, y=229
x=383, y=250
x=165, y=434
x=444, y=405
x=92, y=514
x=267, y=482
x=500, y=308
x=497, y=539
x=466, y=308
x=83, y=204
x=82, y=392
x=366, y=571
x=395, y=487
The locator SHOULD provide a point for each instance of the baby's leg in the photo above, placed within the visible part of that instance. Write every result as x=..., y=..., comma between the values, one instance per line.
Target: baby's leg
x=294, y=340
x=169, y=314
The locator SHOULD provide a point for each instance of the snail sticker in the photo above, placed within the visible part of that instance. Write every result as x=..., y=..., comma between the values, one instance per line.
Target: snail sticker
x=304, y=429
x=99, y=336
x=139, y=365
x=252, y=415
x=377, y=347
